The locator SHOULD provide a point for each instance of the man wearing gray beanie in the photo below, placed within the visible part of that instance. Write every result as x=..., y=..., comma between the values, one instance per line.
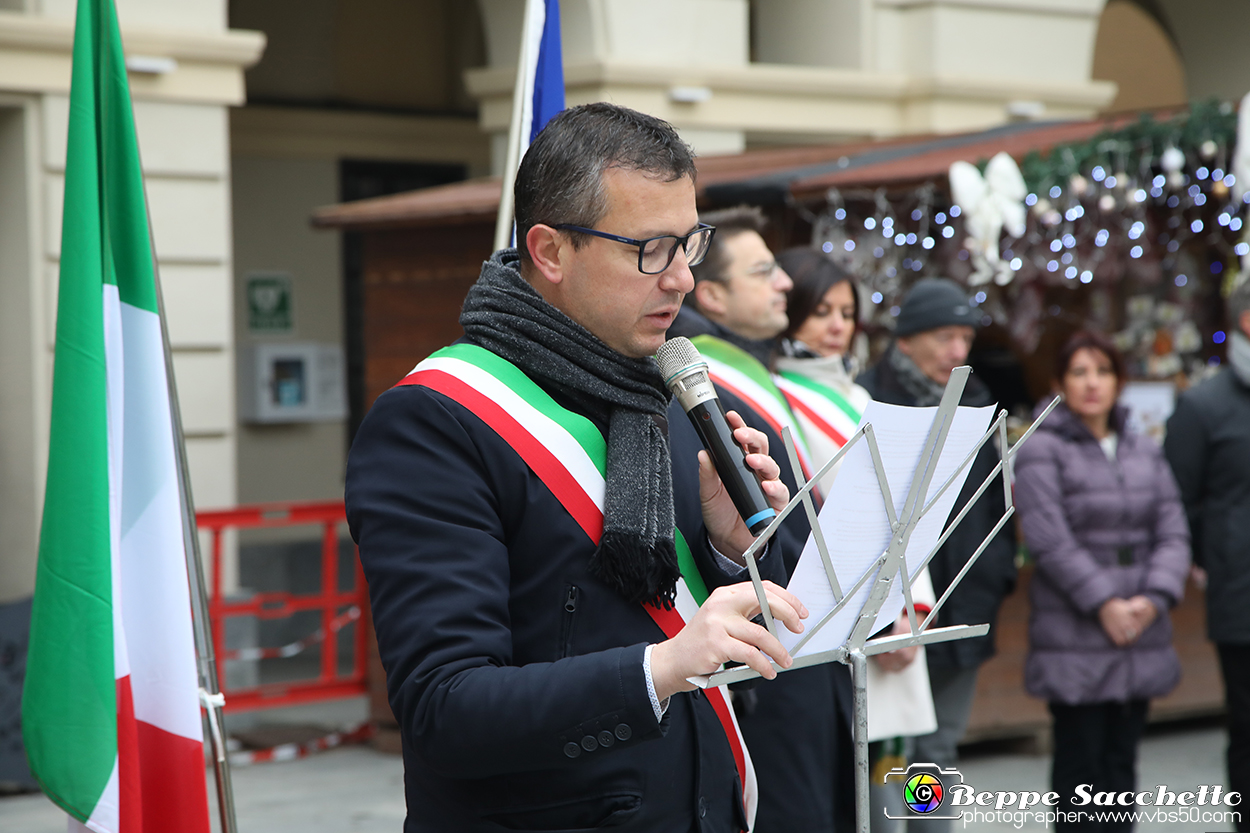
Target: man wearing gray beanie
x=935, y=330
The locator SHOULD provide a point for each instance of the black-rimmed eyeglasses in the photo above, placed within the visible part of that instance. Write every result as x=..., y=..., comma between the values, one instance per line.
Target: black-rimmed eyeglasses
x=656, y=253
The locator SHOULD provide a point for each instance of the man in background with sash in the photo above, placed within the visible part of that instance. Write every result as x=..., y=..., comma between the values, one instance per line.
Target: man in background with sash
x=537, y=613
x=798, y=728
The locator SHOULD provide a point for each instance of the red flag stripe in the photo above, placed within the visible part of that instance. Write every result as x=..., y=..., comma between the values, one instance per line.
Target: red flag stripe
x=172, y=773
x=129, y=778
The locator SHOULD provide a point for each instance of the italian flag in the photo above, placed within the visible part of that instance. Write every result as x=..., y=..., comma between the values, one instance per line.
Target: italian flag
x=110, y=710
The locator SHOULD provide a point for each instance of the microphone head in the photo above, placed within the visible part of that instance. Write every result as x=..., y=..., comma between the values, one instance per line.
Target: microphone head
x=677, y=356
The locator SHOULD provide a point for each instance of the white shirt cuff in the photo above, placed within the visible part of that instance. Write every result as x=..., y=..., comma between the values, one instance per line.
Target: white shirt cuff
x=658, y=707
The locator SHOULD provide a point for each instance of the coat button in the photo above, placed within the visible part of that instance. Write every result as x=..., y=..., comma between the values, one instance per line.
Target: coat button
x=702, y=807
x=589, y=743
x=606, y=739
x=572, y=749
x=623, y=732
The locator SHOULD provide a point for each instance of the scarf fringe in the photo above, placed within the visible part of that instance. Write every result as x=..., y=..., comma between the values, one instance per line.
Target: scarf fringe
x=639, y=573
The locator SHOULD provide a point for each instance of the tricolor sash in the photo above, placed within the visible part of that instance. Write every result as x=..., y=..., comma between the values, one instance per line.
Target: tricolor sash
x=820, y=406
x=569, y=455
x=740, y=373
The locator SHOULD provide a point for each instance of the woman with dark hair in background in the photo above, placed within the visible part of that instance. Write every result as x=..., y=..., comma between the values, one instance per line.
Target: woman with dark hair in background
x=815, y=363
x=1103, y=521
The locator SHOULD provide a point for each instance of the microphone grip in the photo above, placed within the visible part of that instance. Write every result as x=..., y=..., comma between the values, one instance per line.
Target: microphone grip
x=740, y=479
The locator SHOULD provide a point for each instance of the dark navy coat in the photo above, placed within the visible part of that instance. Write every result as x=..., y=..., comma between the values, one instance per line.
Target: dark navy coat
x=516, y=675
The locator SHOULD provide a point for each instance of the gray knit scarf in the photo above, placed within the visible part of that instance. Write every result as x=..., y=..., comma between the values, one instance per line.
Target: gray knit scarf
x=926, y=391
x=1239, y=358
x=504, y=314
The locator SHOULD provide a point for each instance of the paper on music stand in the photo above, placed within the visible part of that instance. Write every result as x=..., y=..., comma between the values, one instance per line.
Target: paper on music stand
x=855, y=523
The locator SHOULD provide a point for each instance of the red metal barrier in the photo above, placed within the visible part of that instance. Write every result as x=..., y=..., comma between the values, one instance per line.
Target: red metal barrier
x=337, y=607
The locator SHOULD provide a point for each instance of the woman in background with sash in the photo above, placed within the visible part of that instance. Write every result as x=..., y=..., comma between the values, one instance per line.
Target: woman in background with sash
x=816, y=373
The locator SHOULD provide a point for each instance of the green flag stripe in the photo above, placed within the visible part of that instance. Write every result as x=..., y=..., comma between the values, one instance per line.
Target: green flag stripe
x=69, y=708
x=582, y=429
x=825, y=391
x=124, y=202
x=689, y=570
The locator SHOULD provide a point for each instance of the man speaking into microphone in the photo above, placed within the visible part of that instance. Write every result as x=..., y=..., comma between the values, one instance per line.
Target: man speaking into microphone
x=537, y=613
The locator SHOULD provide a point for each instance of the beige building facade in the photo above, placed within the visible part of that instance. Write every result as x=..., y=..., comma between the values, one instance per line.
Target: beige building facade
x=252, y=113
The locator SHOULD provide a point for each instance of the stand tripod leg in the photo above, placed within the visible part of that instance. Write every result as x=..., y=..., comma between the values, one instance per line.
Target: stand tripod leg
x=859, y=679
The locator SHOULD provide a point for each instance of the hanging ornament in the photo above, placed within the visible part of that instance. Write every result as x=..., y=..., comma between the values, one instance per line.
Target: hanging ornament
x=1042, y=207
x=1106, y=203
x=1173, y=162
x=989, y=204
x=1078, y=185
x=1208, y=149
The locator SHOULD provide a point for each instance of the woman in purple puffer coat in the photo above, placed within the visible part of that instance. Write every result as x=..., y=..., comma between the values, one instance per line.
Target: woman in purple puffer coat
x=1102, y=518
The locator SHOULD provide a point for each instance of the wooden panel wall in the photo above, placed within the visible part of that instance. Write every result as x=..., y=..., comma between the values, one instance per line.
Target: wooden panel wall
x=415, y=281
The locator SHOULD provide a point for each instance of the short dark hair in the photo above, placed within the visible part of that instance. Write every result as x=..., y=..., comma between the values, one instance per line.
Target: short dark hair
x=1092, y=340
x=561, y=176
x=813, y=273
x=729, y=222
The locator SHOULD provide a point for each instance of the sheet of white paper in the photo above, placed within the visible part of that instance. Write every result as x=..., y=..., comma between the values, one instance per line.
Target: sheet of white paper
x=854, y=518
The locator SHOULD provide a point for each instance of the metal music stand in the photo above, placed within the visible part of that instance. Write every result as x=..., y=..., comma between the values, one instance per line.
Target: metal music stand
x=889, y=566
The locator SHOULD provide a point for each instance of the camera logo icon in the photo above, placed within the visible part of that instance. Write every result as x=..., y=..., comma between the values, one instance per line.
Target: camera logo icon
x=923, y=793
x=923, y=789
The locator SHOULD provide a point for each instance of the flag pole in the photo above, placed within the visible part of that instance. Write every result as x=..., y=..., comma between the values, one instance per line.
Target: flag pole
x=521, y=91
x=206, y=660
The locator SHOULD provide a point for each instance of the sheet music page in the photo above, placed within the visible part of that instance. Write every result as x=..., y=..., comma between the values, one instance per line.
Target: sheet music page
x=855, y=523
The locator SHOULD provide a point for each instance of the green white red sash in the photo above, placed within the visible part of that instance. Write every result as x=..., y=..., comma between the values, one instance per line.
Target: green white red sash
x=569, y=454
x=820, y=406
x=740, y=373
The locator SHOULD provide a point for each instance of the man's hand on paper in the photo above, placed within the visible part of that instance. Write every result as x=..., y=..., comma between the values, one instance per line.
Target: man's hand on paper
x=725, y=528
x=722, y=631
x=903, y=657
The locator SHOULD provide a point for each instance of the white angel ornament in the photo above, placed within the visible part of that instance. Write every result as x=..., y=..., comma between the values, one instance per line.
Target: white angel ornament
x=988, y=204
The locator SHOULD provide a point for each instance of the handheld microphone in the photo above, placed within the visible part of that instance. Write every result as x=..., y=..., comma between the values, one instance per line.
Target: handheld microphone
x=686, y=375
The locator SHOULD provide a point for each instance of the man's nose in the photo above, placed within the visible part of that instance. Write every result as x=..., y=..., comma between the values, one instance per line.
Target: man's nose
x=782, y=281
x=678, y=275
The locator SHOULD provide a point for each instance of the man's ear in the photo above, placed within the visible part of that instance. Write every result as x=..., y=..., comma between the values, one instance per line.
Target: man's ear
x=904, y=345
x=1244, y=321
x=711, y=297
x=546, y=247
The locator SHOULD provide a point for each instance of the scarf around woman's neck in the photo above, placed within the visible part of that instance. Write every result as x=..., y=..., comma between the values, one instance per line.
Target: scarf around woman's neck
x=504, y=314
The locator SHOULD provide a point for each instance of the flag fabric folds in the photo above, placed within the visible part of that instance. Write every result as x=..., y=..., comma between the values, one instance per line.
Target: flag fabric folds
x=547, y=96
x=110, y=709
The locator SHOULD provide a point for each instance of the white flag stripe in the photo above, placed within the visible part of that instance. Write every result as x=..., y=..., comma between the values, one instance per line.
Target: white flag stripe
x=156, y=600
x=114, y=350
x=547, y=431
